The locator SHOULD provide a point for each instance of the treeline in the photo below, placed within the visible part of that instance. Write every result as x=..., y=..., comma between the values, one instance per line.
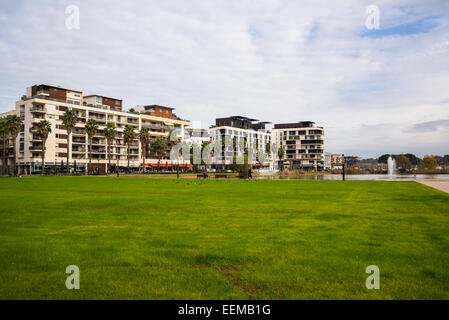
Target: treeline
x=409, y=161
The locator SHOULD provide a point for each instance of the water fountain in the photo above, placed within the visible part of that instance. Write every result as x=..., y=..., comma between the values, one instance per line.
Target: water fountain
x=391, y=166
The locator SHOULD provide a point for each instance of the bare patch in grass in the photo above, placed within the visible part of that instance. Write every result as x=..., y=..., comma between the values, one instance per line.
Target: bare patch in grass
x=231, y=273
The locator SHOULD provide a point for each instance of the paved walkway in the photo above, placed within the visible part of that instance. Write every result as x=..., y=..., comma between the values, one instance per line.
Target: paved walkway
x=442, y=185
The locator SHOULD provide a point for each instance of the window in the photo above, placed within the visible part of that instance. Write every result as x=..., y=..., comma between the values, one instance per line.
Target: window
x=160, y=110
x=117, y=102
x=98, y=99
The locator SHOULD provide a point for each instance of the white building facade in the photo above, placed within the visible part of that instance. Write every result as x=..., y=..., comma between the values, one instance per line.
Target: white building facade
x=303, y=145
x=47, y=102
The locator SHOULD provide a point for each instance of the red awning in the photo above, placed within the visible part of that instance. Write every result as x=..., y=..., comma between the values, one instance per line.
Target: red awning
x=168, y=164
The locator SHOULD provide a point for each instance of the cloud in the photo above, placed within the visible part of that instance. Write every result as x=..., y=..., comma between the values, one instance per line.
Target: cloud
x=429, y=126
x=277, y=60
x=419, y=26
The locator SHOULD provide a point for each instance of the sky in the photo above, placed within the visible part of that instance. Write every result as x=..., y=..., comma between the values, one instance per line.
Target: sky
x=375, y=91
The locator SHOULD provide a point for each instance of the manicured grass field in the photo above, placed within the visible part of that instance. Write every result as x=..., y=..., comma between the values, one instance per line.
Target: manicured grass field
x=142, y=238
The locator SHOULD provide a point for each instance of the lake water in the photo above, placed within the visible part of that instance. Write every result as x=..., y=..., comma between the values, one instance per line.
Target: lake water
x=362, y=177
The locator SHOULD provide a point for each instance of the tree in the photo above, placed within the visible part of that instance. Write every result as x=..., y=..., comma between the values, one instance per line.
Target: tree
x=403, y=162
x=383, y=158
x=43, y=129
x=91, y=128
x=159, y=147
x=268, y=148
x=144, y=137
x=69, y=121
x=110, y=132
x=4, y=134
x=414, y=160
x=281, y=154
x=243, y=169
x=172, y=140
x=429, y=162
x=14, y=124
x=128, y=135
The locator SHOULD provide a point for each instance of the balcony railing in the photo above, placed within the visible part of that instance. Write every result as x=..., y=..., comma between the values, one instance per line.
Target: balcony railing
x=38, y=109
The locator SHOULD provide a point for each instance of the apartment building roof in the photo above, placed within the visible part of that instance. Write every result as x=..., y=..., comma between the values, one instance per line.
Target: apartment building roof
x=240, y=122
x=154, y=106
x=100, y=95
x=301, y=124
x=57, y=87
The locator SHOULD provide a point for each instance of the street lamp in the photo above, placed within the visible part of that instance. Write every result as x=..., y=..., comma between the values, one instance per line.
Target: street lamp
x=343, y=166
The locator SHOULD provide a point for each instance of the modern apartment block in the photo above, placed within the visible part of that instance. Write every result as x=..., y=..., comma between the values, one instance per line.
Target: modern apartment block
x=242, y=128
x=303, y=143
x=161, y=121
x=50, y=102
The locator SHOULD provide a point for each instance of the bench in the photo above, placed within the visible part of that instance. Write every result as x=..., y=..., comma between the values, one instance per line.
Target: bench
x=219, y=176
x=202, y=175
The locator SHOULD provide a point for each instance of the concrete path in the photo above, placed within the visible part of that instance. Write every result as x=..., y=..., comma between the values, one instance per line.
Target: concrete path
x=442, y=185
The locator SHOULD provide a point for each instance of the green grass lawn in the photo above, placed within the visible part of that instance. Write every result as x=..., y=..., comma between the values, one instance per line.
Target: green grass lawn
x=143, y=238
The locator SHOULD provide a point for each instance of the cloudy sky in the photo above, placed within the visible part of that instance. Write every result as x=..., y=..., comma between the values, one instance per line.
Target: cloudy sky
x=375, y=91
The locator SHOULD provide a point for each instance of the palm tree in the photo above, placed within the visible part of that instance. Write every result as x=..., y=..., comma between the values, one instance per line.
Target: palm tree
x=43, y=129
x=144, y=137
x=4, y=134
x=110, y=133
x=14, y=124
x=128, y=135
x=91, y=128
x=69, y=121
x=159, y=146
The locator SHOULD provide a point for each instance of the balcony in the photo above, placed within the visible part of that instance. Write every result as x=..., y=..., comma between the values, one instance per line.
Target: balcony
x=43, y=93
x=39, y=109
x=132, y=121
x=35, y=148
x=44, y=97
x=80, y=115
x=99, y=118
x=78, y=132
x=37, y=119
x=36, y=138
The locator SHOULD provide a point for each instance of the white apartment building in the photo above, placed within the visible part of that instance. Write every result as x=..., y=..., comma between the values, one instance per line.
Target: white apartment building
x=50, y=102
x=196, y=136
x=253, y=134
x=303, y=145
